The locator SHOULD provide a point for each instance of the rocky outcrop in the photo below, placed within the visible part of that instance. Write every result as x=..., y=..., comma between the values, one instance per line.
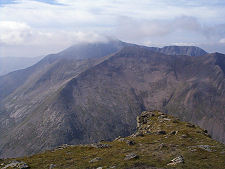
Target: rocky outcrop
x=151, y=150
x=16, y=164
x=176, y=161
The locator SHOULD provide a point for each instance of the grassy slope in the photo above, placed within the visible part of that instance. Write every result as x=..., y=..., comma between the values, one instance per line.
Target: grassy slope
x=149, y=148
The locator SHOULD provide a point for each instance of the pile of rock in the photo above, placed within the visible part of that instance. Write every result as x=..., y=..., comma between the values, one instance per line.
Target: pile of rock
x=143, y=118
x=16, y=164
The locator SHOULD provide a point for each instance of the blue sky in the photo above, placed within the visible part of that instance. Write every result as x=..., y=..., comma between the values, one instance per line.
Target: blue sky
x=39, y=27
x=52, y=2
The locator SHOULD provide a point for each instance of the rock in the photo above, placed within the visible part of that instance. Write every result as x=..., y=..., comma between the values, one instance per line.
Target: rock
x=205, y=147
x=17, y=164
x=162, y=116
x=173, y=132
x=130, y=142
x=175, y=121
x=131, y=156
x=161, y=146
x=176, y=160
x=184, y=136
x=138, y=122
x=148, y=132
x=137, y=134
x=143, y=118
x=95, y=160
x=52, y=166
x=23, y=166
x=147, y=114
x=63, y=146
x=167, y=119
x=160, y=113
x=161, y=132
x=190, y=125
x=119, y=139
x=99, y=168
x=99, y=145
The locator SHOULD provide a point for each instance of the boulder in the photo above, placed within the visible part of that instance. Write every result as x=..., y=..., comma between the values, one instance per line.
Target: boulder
x=52, y=166
x=161, y=132
x=131, y=156
x=176, y=160
x=130, y=142
x=95, y=160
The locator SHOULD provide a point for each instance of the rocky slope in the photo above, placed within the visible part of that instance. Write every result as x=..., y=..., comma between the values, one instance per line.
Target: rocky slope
x=181, y=50
x=160, y=141
x=66, y=99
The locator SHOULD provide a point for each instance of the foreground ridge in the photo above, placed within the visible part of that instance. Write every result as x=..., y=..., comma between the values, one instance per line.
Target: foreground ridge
x=160, y=141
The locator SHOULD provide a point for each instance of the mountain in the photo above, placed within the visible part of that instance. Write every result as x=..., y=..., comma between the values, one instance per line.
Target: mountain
x=10, y=64
x=68, y=98
x=160, y=141
x=181, y=50
x=24, y=91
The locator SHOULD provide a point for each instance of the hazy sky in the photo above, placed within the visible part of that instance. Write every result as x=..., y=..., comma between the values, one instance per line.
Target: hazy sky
x=38, y=27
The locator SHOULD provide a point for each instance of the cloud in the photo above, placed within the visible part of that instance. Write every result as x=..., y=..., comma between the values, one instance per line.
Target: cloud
x=53, y=24
x=186, y=27
x=14, y=32
x=22, y=37
x=222, y=41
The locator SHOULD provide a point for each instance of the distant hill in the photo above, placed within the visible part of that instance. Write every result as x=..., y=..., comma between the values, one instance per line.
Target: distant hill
x=78, y=96
x=10, y=64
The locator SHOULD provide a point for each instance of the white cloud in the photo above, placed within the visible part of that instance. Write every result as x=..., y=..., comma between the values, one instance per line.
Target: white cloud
x=17, y=35
x=12, y=33
x=185, y=44
x=54, y=27
x=222, y=41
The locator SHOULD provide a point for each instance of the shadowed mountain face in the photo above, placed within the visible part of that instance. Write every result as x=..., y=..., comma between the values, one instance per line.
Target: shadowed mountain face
x=74, y=100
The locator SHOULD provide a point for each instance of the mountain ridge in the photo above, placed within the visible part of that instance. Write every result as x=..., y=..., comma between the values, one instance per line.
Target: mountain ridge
x=181, y=50
x=159, y=141
x=134, y=78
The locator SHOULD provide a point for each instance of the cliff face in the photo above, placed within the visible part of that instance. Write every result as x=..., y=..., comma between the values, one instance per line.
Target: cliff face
x=160, y=141
x=64, y=100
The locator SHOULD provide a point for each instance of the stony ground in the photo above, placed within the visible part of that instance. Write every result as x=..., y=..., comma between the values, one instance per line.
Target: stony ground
x=161, y=141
